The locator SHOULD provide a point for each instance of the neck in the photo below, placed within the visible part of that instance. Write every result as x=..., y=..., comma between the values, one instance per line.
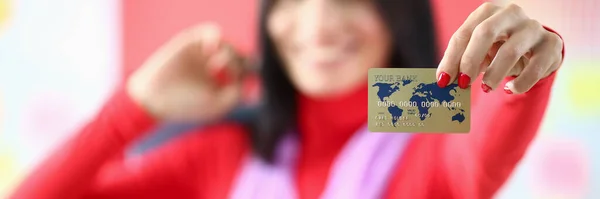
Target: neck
x=326, y=124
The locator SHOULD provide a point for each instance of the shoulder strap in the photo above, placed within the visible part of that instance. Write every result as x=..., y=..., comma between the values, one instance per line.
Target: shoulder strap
x=166, y=132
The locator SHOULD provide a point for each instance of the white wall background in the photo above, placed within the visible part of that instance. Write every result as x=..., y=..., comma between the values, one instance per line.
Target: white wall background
x=59, y=60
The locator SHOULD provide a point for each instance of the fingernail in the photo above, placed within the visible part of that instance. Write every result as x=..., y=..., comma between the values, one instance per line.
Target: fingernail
x=463, y=81
x=485, y=88
x=443, y=80
x=507, y=90
x=221, y=75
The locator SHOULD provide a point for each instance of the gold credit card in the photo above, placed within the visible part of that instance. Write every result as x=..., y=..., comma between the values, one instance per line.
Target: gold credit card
x=409, y=100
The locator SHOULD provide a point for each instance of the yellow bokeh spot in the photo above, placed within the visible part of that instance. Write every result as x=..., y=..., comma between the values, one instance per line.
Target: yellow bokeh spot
x=9, y=174
x=583, y=90
x=4, y=12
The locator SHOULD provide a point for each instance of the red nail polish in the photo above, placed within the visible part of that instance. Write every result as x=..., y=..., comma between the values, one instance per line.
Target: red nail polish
x=221, y=75
x=485, y=88
x=463, y=81
x=507, y=90
x=443, y=80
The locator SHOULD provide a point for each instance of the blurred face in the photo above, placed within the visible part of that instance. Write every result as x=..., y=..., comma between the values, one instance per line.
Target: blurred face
x=327, y=46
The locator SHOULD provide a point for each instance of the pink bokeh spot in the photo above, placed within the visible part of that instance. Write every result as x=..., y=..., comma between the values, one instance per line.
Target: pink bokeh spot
x=561, y=167
x=48, y=117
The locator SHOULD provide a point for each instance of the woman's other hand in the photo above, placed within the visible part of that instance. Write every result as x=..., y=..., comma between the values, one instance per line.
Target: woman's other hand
x=500, y=42
x=195, y=76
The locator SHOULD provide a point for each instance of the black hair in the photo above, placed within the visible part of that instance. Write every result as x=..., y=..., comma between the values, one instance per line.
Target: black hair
x=411, y=25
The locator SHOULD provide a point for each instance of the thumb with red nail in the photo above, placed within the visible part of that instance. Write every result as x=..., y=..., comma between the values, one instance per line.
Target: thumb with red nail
x=195, y=76
x=500, y=42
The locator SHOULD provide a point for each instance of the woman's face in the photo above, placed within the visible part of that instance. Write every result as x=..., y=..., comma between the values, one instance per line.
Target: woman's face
x=327, y=46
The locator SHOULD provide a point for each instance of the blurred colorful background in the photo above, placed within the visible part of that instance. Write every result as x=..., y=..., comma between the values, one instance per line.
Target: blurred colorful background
x=60, y=59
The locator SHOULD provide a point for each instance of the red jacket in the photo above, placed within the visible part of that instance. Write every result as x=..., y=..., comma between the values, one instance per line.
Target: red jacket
x=203, y=164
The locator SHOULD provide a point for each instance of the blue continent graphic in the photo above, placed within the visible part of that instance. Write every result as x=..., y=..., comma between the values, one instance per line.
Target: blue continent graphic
x=424, y=92
x=395, y=112
x=386, y=89
x=406, y=81
x=458, y=117
x=431, y=93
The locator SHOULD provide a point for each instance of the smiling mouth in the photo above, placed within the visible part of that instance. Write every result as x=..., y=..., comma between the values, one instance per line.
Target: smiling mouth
x=327, y=58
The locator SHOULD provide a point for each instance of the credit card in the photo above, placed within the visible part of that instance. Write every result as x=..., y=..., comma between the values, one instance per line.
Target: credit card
x=409, y=100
